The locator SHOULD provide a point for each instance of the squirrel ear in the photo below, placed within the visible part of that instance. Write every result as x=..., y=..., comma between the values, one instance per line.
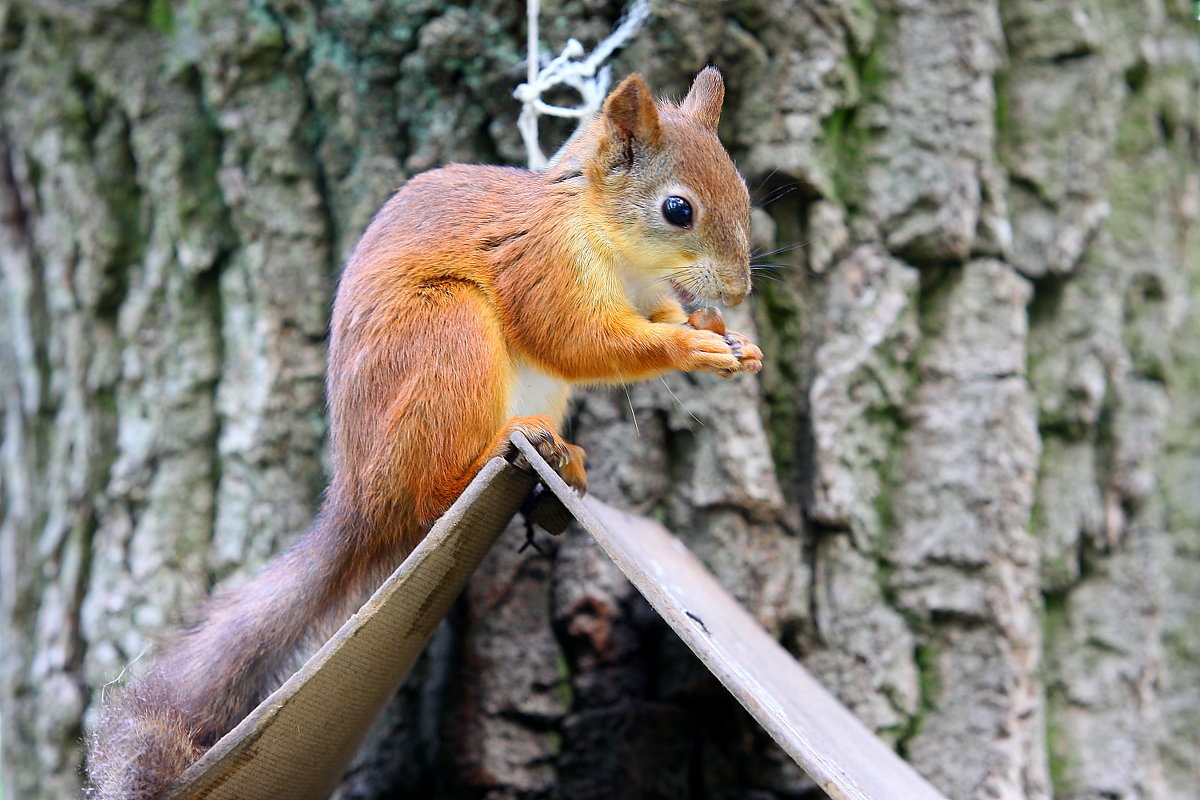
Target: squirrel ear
x=704, y=99
x=631, y=112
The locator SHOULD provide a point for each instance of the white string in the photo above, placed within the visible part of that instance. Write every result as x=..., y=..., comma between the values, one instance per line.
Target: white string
x=569, y=68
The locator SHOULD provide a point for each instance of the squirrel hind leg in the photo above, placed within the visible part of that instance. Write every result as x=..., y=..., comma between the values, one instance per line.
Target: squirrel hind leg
x=139, y=749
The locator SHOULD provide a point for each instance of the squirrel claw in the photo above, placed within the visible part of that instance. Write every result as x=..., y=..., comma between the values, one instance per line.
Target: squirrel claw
x=749, y=356
x=565, y=459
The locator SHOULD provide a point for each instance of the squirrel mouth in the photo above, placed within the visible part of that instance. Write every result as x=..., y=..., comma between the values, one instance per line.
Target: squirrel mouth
x=686, y=297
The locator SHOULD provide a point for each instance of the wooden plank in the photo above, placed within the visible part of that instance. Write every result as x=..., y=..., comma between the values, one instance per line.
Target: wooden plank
x=298, y=742
x=838, y=752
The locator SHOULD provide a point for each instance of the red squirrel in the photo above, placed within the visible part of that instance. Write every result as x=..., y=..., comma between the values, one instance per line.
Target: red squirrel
x=475, y=299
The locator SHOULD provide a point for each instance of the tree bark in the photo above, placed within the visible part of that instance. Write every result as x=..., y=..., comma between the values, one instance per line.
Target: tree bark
x=963, y=491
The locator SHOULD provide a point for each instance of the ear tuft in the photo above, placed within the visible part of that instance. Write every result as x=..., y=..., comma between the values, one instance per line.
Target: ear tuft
x=631, y=112
x=704, y=99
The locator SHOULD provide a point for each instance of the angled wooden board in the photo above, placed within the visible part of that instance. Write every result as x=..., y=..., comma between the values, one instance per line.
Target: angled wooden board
x=299, y=741
x=824, y=737
x=297, y=744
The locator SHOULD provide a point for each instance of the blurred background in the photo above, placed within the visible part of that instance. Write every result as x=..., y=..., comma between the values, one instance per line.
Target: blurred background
x=964, y=491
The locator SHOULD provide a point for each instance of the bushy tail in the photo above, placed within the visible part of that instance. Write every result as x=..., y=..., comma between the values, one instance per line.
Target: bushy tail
x=211, y=676
x=142, y=744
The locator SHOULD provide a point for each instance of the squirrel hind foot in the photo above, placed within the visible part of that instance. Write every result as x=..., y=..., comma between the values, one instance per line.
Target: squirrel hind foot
x=565, y=459
x=139, y=756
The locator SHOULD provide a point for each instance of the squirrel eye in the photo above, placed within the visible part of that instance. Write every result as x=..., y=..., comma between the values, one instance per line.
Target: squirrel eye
x=677, y=211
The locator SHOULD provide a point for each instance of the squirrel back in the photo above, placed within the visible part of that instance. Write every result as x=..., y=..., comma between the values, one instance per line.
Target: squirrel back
x=474, y=300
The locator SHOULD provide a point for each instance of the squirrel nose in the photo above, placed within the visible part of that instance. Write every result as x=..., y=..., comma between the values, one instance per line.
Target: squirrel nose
x=735, y=291
x=732, y=297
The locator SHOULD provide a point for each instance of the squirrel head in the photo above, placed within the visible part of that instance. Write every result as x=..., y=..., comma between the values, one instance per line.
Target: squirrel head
x=665, y=193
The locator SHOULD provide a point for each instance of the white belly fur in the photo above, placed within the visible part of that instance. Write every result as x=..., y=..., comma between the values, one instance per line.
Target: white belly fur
x=535, y=392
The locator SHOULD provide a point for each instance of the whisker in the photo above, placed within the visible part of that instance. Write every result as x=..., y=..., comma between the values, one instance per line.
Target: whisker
x=681, y=273
x=772, y=268
x=684, y=280
x=778, y=194
x=787, y=248
x=680, y=402
x=632, y=413
x=758, y=192
x=763, y=182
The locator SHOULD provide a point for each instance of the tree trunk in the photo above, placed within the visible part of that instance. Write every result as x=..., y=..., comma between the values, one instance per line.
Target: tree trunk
x=965, y=490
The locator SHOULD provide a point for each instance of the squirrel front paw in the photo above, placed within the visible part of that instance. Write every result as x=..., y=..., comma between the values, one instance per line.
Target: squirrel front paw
x=725, y=354
x=749, y=357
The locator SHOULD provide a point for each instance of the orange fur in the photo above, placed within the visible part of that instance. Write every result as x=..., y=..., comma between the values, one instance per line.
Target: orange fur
x=469, y=280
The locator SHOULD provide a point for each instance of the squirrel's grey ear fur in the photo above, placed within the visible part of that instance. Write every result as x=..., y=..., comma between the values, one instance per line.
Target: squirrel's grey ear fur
x=631, y=112
x=704, y=99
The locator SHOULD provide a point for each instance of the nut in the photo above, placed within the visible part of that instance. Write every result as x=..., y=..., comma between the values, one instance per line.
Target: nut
x=708, y=319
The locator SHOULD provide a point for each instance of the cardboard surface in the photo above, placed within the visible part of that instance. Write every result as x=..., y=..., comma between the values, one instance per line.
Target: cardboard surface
x=299, y=741
x=829, y=743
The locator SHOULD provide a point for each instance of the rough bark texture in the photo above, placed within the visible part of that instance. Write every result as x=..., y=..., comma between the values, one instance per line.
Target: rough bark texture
x=965, y=490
